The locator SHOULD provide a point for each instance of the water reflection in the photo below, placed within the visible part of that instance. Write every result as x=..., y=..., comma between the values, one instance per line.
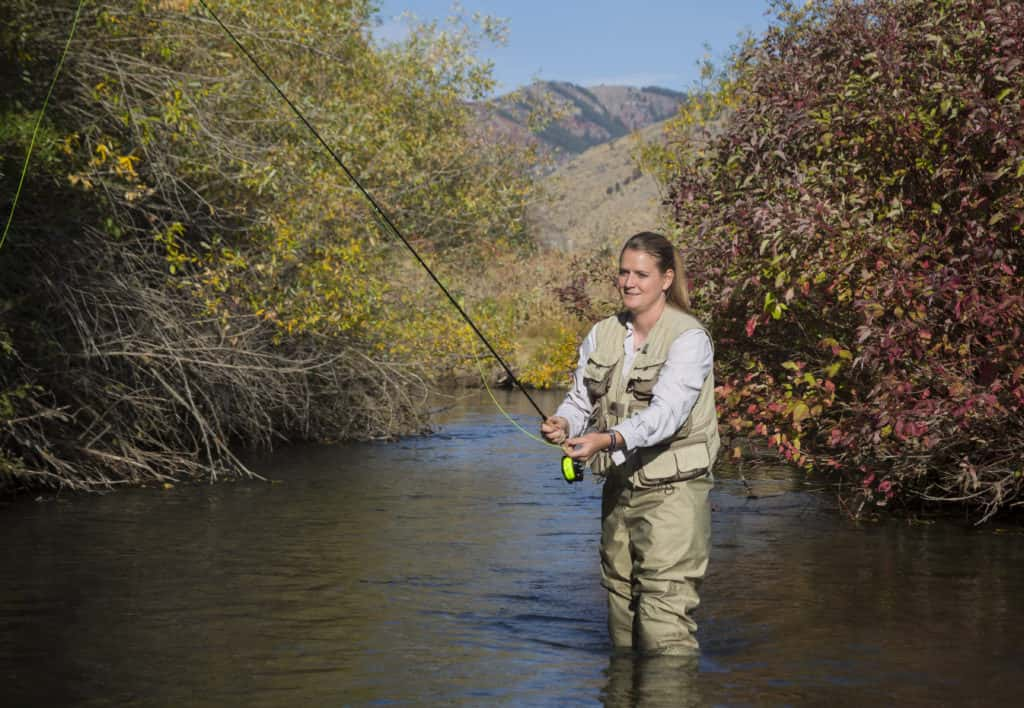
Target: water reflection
x=652, y=682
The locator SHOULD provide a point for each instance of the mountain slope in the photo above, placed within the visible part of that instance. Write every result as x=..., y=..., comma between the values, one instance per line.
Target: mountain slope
x=578, y=118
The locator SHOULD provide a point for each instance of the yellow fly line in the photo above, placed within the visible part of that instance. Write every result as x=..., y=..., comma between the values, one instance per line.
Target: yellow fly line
x=527, y=433
x=39, y=122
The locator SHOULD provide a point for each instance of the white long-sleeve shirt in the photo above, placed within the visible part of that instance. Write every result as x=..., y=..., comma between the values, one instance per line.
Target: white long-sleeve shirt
x=690, y=360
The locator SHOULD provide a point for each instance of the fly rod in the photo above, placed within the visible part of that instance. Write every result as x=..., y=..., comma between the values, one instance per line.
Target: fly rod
x=381, y=213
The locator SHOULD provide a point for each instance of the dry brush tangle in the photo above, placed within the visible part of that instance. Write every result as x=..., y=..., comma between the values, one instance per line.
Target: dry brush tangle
x=142, y=387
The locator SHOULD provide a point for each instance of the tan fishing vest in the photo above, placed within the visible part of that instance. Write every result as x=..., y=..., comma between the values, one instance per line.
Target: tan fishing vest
x=687, y=454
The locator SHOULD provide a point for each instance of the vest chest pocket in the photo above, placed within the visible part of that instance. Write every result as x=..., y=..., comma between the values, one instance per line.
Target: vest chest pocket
x=597, y=376
x=642, y=379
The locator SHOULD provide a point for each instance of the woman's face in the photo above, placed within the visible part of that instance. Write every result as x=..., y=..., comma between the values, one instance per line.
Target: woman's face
x=641, y=285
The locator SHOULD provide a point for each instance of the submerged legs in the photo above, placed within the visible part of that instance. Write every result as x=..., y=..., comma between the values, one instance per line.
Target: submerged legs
x=654, y=553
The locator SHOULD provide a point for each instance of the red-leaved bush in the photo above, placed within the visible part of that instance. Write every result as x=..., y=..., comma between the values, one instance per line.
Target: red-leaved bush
x=853, y=226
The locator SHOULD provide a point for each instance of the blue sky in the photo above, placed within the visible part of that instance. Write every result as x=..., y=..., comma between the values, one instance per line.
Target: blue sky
x=633, y=43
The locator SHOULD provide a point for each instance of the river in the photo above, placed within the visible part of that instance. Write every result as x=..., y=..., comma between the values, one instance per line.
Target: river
x=459, y=569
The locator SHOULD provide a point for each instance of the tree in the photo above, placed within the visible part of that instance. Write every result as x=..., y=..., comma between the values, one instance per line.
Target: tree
x=213, y=278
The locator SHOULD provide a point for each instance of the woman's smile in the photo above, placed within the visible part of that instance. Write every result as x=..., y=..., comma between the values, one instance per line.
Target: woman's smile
x=641, y=283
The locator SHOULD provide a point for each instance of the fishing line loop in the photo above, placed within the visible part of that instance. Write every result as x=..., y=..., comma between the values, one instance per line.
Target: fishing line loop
x=513, y=421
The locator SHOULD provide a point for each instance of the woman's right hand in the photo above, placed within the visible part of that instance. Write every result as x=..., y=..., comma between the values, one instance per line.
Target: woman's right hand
x=555, y=429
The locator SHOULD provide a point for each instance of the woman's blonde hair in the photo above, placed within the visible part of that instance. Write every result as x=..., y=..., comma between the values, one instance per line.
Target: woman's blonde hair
x=666, y=257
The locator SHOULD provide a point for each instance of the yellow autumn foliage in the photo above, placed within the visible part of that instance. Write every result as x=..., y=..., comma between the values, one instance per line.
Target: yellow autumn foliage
x=213, y=277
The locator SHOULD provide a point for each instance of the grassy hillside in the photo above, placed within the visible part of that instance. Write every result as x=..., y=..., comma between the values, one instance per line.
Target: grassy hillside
x=599, y=197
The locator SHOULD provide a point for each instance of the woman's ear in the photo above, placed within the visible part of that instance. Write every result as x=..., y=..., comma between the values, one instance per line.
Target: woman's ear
x=670, y=276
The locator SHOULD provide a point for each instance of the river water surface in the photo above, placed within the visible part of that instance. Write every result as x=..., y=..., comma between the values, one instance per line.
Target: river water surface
x=459, y=569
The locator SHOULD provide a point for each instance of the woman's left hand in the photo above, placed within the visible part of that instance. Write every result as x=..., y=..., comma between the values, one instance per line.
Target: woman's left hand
x=585, y=446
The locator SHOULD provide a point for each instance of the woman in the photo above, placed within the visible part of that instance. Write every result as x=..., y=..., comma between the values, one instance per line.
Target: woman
x=644, y=392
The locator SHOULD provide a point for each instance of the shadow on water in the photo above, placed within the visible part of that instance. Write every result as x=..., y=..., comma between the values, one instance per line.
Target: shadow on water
x=460, y=569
